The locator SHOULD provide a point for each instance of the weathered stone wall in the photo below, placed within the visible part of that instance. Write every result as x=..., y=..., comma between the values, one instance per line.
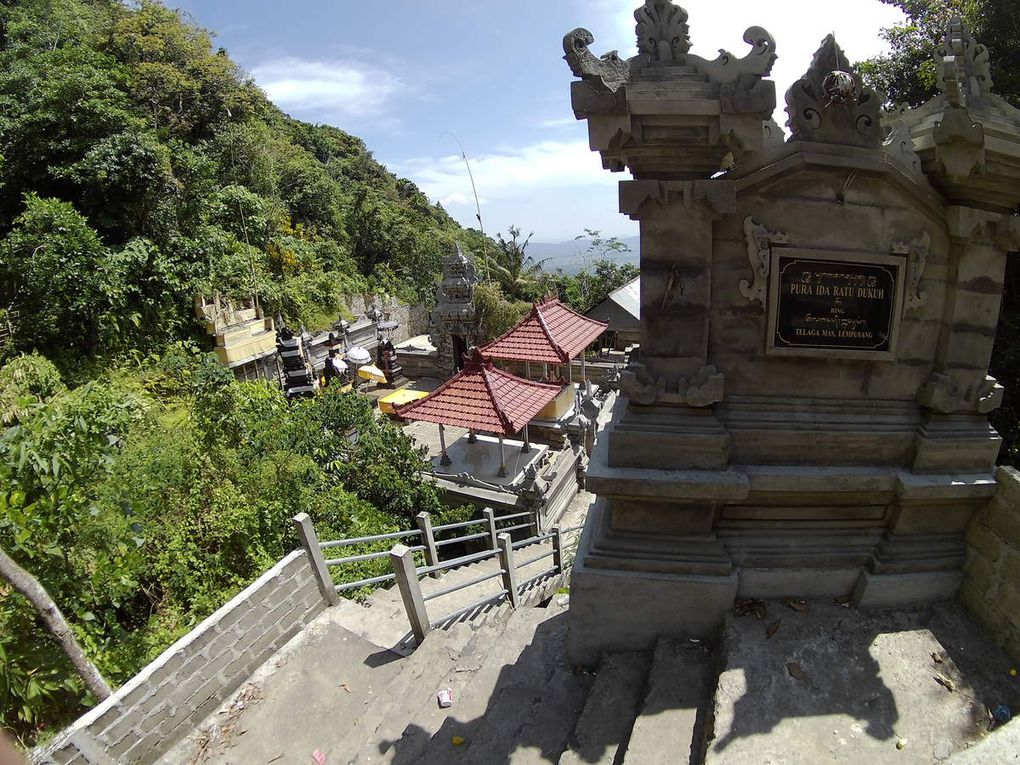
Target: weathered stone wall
x=167, y=699
x=413, y=319
x=991, y=587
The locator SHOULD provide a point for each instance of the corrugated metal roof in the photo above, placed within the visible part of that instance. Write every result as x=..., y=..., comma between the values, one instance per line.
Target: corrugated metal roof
x=550, y=334
x=483, y=398
x=628, y=297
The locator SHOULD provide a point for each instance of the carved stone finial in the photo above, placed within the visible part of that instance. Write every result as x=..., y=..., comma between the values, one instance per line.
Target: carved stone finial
x=662, y=32
x=831, y=104
x=966, y=70
x=605, y=74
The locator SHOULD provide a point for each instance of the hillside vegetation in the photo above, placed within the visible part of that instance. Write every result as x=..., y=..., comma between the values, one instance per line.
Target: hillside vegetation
x=142, y=167
x=139, y=482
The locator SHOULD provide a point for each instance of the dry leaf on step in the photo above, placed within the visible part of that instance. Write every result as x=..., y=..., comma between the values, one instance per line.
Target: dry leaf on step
x=796, y=671
x=773, y=628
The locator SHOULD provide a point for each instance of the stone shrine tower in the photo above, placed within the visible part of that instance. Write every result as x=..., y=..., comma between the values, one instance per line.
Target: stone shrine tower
x=454, y=323
x=808, y=413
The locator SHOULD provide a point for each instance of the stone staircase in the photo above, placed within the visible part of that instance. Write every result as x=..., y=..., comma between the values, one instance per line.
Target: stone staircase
x=517, y=701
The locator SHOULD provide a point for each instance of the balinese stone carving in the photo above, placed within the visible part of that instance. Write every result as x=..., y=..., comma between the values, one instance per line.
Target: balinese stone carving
x=917, y=258
x=704, y=389
x=943, y=395
x=900, y=147
x=966, y=70
x=605, y=74
x=662, y=32
x=637, y=385
x=674, y=295
x=759, y=241
x=831, y=104
x=454, y=314
x=959, y=143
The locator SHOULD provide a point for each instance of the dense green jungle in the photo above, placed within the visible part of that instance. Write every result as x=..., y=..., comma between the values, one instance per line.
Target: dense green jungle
x=139, y=482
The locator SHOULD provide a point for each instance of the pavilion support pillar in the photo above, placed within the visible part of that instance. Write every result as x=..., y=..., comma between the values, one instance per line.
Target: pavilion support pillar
x=584, y=376
x=526, y=448
x=545, y=371
x=502, y=458
x=527, y=369
x=570, y=370
x=445, y=458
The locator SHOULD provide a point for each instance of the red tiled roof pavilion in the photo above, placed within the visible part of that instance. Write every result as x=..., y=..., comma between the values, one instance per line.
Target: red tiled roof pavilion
x=550, y=334
x=481, y=397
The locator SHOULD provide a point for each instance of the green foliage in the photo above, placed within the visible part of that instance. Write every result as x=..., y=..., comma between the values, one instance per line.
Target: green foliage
x=145, y=500
x=588, y=288
x=518, y=274
x=189, y=180
x=26, y=380
x=496, y=314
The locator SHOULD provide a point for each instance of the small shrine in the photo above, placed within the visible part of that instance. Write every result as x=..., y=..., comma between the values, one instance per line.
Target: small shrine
x=454, y=323
x=485, y=399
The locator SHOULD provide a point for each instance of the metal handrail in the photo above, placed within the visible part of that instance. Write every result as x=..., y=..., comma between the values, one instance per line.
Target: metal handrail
x=511, y=517
x=462, y=585
x=536, y=559
x=371, y=580
x=466, y=538
x=467, y=609
x=367, y=556
x=532, y=541
x=373, y=538
x=518, y=526
x=461, y=525
x=463, y=560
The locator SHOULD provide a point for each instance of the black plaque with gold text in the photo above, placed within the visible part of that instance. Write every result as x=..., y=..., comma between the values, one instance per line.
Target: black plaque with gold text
x=828, y=304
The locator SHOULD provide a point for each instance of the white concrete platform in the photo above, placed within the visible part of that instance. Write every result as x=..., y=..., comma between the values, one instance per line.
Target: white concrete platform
x=481, y=459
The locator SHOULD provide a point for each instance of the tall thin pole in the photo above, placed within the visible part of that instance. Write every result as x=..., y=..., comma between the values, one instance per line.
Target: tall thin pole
x=478, y=205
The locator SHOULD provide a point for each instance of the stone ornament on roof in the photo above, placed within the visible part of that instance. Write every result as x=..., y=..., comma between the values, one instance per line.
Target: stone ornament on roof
x=831, y=104
x=662, y=32
x=966, y=68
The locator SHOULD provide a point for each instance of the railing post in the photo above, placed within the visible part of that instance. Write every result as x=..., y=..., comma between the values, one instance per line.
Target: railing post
x=402, y=560
x=428, y=539
x=490, y=516
x=557, y=543
x=506, y=562
x=310, y=541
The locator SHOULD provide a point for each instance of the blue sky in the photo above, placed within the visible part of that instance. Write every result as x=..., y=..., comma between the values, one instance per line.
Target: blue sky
x=404, y=74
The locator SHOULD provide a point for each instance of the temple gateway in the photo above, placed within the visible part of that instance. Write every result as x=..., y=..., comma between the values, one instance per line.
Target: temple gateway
x=808, y=414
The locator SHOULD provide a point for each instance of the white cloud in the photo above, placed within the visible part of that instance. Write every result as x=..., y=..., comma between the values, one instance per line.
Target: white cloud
x=507, y=173
x=559, y=122
x=328, y=89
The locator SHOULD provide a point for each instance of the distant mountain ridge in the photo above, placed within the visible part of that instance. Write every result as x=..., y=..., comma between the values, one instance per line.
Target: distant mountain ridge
x=570, y=256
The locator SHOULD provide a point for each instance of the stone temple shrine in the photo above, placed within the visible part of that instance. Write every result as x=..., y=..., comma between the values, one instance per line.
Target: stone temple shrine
x=808, y=414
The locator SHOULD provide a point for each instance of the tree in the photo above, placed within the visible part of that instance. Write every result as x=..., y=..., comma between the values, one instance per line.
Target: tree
x=909, y=74
x=50, y=613
x=591, y=286
x=518, y=274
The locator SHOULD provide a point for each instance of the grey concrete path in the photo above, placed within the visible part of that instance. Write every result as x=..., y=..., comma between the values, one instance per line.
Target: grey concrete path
x=840, y=685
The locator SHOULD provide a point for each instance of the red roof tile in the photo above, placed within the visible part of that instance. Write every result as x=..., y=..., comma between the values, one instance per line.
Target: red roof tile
x=550, y=334
x=484, y=398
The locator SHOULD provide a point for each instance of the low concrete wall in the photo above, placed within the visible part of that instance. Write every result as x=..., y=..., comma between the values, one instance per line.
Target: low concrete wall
x=991, y=586
x=166, y=700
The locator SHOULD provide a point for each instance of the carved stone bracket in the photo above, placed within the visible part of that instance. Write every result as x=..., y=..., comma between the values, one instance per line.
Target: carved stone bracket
x=831, y=104
x=959, y=143
x=944, y=396
x=759, y=241
x=917, y=252
x=703, y=389
x=714, y=197
x=900, y=146
x=605, y=74
x=637, y=385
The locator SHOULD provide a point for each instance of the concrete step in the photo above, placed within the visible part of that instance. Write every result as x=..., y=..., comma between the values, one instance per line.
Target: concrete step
x=604, y=727
x=672, y=719
x=422, y=669
x=471, y=677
